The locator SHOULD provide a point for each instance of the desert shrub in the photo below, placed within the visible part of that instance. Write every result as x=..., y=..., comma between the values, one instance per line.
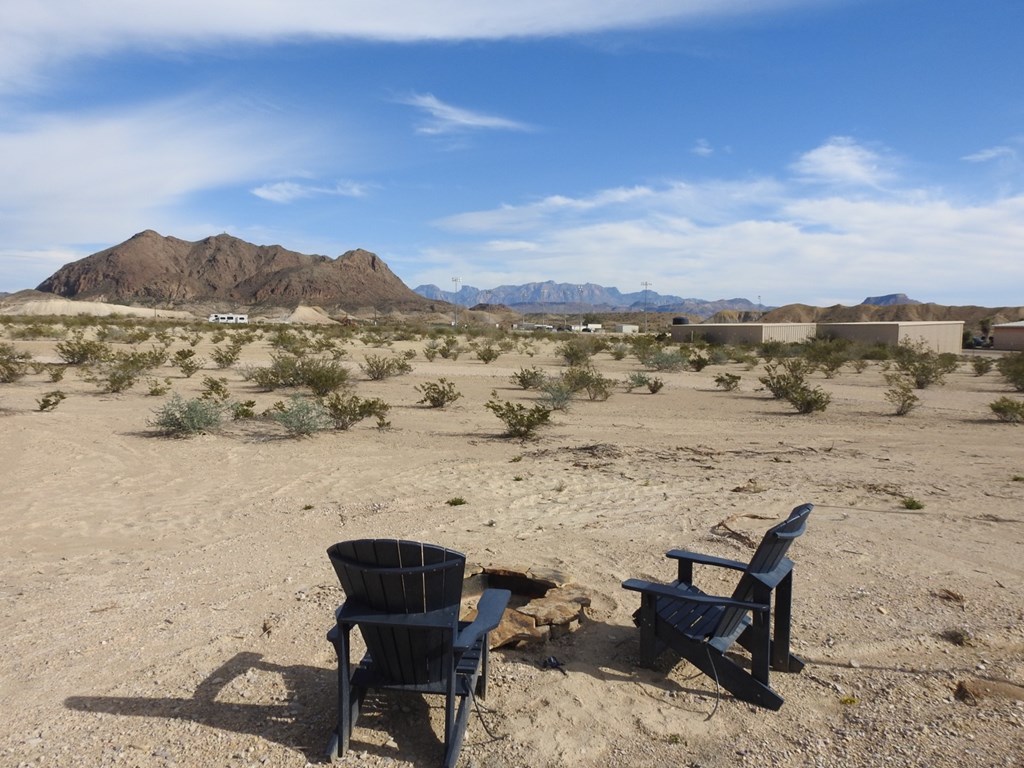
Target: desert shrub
x=529, y=378
x=187, y=362
x=658, y=358
x=376, y=339
x=901, y=393
x=242, y=410
x=226, y=356
x=378, y=367
x=982, y=365
x=302, y=416
x=450, y=349
x=642, y=345
x=1009, y=410
x=859, y=364
x=619, y=351
x=287, y=340
x=654, y=385
x=56, y=372
x=807, y=399
x=322, y=376
x=599, y=387
x=430, y=349
x=727, y=381
x=78, y=350
x=439, y=393
x=38, y=331
x=635, y=380
x=519, y=421
x=346, y=410
x=1011, y=368
x=487, y=353
x=184, y=418
x=909, y=502
x=829, y=355
x=120, y=371
x=923, y=366
x=577, y=351
x=157, y=388
x=13, y=364
x=456, y=501
x=576, y=377
x=215, y=389
x=50, y=400
x=556, y=394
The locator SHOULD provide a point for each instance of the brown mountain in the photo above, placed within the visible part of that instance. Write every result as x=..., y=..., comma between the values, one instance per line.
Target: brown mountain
x=971, y=315
x=153, y=269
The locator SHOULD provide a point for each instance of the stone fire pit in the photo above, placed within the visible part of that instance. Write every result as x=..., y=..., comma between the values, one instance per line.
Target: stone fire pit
x=543, y=605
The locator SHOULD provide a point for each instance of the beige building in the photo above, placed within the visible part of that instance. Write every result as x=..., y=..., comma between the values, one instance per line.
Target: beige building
x=1008, y=336
x=938, y=336
x=743, y=333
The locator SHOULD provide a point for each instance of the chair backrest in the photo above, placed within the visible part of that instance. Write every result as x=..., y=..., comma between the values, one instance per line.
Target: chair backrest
x=402, y=577
x=769, y=554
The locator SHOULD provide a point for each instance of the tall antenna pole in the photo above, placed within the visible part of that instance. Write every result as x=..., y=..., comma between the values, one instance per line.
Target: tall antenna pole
x=455, y=303
x=646, y=285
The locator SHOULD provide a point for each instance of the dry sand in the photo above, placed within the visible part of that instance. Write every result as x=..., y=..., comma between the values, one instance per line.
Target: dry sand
x=165, y=601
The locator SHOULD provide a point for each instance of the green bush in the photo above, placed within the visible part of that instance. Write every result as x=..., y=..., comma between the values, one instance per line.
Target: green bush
x=577, y=351
x=727, y=381
x=519, y=421
x=556, y=394
x=81, y=351
x=901, y=393
x=228, y=355
x=50, y=400
x=215, y=389
x=187, y=362
x=659, y=358
x=807, y=399
x=1011, y=368
x=347, y=410
x=322, y=376
x=1009, y=410
x=438, y=394
x=184, y=418
x=529, y=378
x=923, y=366
x=982, y=365
x=13, y=364
x=302, y=417
x=378, y=367
x=487, y=353
x=635, y=380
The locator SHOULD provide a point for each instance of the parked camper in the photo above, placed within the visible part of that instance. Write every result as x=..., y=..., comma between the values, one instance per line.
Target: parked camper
x=228, y=318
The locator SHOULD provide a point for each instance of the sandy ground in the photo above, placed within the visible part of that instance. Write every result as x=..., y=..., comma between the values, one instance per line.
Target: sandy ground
x=165, y=601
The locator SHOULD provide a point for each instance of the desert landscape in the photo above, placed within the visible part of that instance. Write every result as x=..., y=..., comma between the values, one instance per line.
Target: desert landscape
x=166, y=600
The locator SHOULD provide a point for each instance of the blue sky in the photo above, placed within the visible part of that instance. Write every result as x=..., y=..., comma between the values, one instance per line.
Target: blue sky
x=815, y=151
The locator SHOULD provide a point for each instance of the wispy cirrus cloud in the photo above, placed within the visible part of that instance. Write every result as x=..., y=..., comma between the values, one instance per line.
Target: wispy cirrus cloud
x=290, y=191
x=445, y=118
x=37, y=36
x=991, y=153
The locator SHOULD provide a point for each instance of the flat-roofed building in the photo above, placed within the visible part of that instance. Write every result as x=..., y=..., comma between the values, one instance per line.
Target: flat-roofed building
x=743, y=333
x=936, y=335
x=1008, y=336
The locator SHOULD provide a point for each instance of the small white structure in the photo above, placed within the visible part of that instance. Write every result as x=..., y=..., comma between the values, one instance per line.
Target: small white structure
x=1008, y=336
x=230, y=317
x=625, y=328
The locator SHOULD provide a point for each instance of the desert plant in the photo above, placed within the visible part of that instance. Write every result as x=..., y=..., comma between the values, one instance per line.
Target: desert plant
x=576, y=351
x=619, y=351
x=456, y=501
x=922, y=365
x=450, y=349
x=187, y=362
x=50, y=400
x=1011, y=368
x=519, y=421
x=1009, y=410
x=56, y=372
x=158, y=388
x=487, y=353
x=658, y=358
x=727, y=381
x=242, y=409
x=378, y=367
x=556, y=394
x=654, y=385
x=529, y=378
x=228, y=355
x=78, y=350
x=636, y=380
x=184, y=418
x=346, y=410
x=215, y=389
x=322, y=376
x=982, y=365
x=859, y=364
x=909, y=502
x=901, y=393
x=698, y=359
x=807, y=399
x=438, y=394
x=13, y=364
x=430, y=349
x=302, y=416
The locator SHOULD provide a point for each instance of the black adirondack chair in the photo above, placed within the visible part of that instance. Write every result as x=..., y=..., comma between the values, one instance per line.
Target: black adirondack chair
x=405, y=596
x=701, y=627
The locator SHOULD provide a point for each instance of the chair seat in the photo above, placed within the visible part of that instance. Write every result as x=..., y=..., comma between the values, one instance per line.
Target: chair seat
x=694, y=621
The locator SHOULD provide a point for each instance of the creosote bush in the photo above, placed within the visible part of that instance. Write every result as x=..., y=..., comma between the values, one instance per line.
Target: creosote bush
x=1009, y=410
x=727, y=381
x=901, y=393
x=13, y=364
x=184, y=418
x=438, y=394
x=519, y=421
x=378, y=367
x=347, y=410
x=923, y=366
x=50, y=400
x=302, y=416
x=1011, y=368
x=78, y=350
x=529, y=378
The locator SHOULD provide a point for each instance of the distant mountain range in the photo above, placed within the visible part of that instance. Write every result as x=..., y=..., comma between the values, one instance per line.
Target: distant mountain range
x=550, y=296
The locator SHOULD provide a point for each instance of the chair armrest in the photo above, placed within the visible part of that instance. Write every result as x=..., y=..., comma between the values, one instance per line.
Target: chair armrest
x=696, y=557
x=774, y=577
x=673, y=593
x=489, y=610
x=353, y=612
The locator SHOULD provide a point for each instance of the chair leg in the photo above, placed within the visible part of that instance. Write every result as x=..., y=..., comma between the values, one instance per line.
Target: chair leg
x=648, y=639
x=485, y=660
x=782, y=659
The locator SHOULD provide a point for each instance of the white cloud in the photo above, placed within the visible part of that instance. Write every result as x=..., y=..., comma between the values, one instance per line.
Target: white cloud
x=992, y=153
x=88, y=178
x=724, y=239
x=290, y=191
x=702, y=148
x=35, y=36
x=842, y=161
x=445, y=118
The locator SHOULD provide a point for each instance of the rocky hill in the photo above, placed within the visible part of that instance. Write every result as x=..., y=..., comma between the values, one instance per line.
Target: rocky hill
x=971, y=315
x=152, y=269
